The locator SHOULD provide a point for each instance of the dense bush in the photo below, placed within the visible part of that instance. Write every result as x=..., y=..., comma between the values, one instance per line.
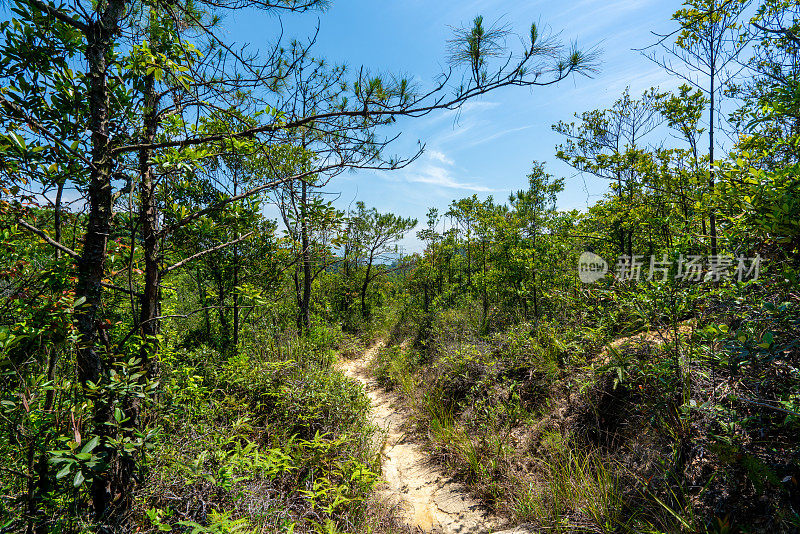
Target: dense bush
x=277, y=445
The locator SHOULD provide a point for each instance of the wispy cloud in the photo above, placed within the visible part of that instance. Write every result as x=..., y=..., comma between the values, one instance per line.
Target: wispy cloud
x=440, y=157
x=455, y=121
x=441, y=177
x=496, y=135
x=592, y=16
x=477, y=105
x=437, y=169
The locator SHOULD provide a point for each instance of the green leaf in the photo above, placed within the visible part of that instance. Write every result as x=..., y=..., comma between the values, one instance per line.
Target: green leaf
x=91, y=444
x=18, y=141
x=79, y=479
x=64, y=471
x=766, y=340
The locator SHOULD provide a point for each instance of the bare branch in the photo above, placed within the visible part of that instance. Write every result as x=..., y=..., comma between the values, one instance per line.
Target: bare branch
x=204, y=252
x=60, y=15
x=50, y=241
x=71, y=253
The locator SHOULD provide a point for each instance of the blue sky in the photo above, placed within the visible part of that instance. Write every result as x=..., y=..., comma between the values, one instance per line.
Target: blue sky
x=490, y=147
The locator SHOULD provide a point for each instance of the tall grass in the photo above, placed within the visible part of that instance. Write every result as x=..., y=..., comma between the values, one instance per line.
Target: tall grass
x=579, y=490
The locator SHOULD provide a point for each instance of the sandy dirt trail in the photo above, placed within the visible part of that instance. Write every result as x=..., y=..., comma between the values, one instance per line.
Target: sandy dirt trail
x=430, y=500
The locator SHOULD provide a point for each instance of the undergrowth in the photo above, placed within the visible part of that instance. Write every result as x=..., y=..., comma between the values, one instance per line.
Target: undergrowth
x=270, y=440
x=558, y=427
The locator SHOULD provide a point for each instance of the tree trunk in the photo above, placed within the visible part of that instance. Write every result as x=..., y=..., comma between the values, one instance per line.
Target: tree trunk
x=149, y=301
x=712, y=218
x=364, y=310
x=148, y=221
x=201, y=289
x=92, y=262
x=39, y=481
x=298, y=295
x=57, y=214
x=469, y=262
x=620, y=227
x=236, y=274
x=485, y=288
x=224, y=324
x=533, y=281
x=306, y=298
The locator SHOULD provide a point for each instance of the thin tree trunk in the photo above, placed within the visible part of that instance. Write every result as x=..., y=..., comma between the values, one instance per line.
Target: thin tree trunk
x=712, y=218
x=92, y=262
x=201, y=289
x=485, y=289
x=148, y=220
x=619, y=225
x=306, y=298
x=533, y=280
x=38, y=480
x=364, y=311
x=57, y=215
x=236, y=275
x=224, y=324
x=469, y=262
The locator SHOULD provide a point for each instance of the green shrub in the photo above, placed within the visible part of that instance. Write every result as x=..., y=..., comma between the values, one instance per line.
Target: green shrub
x=320, y=400
x=394, y=367
x=270, y=438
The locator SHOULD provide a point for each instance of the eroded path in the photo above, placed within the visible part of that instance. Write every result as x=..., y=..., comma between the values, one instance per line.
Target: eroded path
x=430, y=500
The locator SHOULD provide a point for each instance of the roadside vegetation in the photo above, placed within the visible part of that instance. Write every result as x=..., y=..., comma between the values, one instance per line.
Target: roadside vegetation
x=169, y=354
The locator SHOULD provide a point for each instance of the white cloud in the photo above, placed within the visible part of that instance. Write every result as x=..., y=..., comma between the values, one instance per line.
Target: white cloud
x=441, y=177
x=435, y=168
x=440, y=157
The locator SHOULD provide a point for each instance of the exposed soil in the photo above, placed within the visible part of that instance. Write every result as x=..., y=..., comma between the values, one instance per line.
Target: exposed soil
x=429, y=500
